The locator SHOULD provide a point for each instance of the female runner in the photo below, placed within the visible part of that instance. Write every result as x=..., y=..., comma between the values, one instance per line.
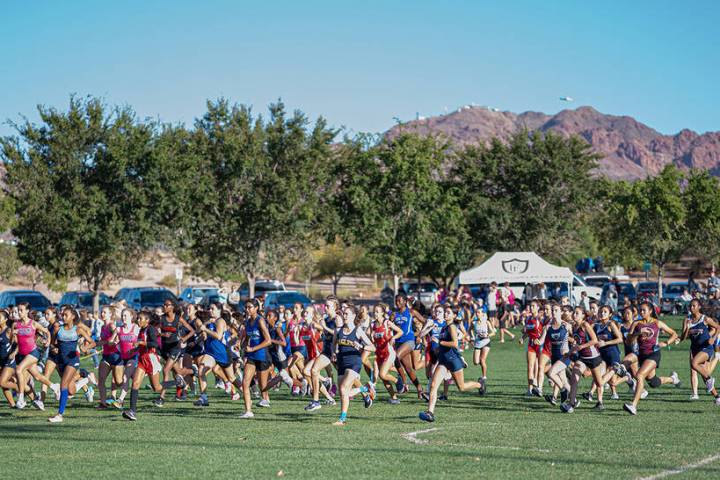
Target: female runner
x=257, y=360
x=482, y=330
x=533, y=332
x=28, y=354
x=556, y=335
x=609, y=338
x=311, y=333
x=51, y=316
x=171, y=323
x=111, y=360
x=384, y=335
x=126, y=338
x=404, y=318
x=7, y=358
x=449, y=360
x=329, y=324
x=647, y=333
x=66, y=340
x=350, y=341
x=702, y=332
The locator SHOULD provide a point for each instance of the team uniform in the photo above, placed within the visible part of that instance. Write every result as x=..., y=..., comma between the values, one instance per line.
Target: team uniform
x=6, y=348
x=217, y=348
x=260, y=358
x=25, y=334
x=533, y=329
x=590, y=356
x=110, y=353
x=610, y=354
x=297, y=343
x=700, y=337
x=170, y=334
x=648, y=348
x=557, y=341
x=382, y=337
x=148, y=359
x=431, y=355
x=449, y=357
x=67, y=343
x=404, y=320
x=349, y=352
x=482, y=333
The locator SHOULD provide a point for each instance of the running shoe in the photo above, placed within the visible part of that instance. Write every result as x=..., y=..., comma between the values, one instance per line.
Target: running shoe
x=551, y=399
x=340, y=422
x=117, y=404
x=247, y=415
x=295, y=391
x=710, y=384
x=101, y=406
x=158, y=402
x=235, y=397
x=194, y=368
x=93, y=379
x=180, y=382
x=567, y=408
x=587, y=396
x=20, y=404
x=39, y=405
x=367, y=400
x=620, y=370
x=630, y=408
x=424, y=396
x=327, y=383
x=399, y=385
x=694, y=396
x=55, y=387
x=599, y=407
x=615, y=396
x=394, y=401
x=644, y=394
x=228, y=388
x=717, y=401
x=220, y=384
x=536, y=392
x=632, y=383
x=182, y=397
x=443, y=398
x=371, y=390
x=312, y=406
x=304, y=388
x=675, y=379
x=333, y=390
x=56, y=419
x=201, y=402
x=273, y=382
x=427, y=417
x=483, y=387
x=529, y=393
x=90, y=394
x=263, y=403
x=330, y=402
x=129, y=414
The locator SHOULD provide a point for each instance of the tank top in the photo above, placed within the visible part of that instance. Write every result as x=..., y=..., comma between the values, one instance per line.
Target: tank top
x=629, y=346
x=105, y=335
x=381, y=337
x=214, y=347
x=171, y=329
x=581, y=337
x=699, y=334
x=480, y=327
x=558, y=339
x=348, y=343
x=649, y=337
x=25, y=337
x=605, y=334
x=148, y=335
x=255, y=338
x=332, y=325
x=127, y=337
x=67, y=340
x=5, y=344
x=533, y=328
x=296, y=339
x=435, y=333
x=404, y=321
x=445, y=336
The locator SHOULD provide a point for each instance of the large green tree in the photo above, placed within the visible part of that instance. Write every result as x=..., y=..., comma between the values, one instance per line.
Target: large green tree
x=702, y=223
x=260, y=189
x=77, y=182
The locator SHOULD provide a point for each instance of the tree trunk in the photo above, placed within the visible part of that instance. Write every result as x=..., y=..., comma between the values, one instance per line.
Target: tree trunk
x=661, y=271
x=96, y=296
x=251, y=285
x=396, y=283
x=335, y=281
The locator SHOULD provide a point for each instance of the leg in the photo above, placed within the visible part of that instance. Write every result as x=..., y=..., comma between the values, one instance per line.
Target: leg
x=248, y=375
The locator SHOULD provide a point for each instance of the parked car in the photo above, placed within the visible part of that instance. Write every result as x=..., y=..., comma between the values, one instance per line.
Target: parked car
x=144, y=297
x=671, y=302
x=625, y=289
x=648, y=291
x=37, y=300
x=261, y=287
x=425, y=291
x=195, y=293
x=597, y=279
x=82, y=299
x=210, y=297
x=286, y=298
x=387, y=295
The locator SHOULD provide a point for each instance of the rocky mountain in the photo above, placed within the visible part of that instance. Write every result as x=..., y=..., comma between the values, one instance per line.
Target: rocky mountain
x=630, y=149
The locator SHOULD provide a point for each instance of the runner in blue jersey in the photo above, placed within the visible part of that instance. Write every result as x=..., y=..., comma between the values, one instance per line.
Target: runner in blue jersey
x=556, y=335
x=404, y=318
x=257, y=358
x=609, y=339
x=702, y=332
x=7, y=358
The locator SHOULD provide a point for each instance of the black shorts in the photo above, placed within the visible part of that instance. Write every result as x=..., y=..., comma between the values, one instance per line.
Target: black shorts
x=593, y=362
x=171, y=352
x=260, y=365
x=654, y=356
x=508, y=308
x=279, y=364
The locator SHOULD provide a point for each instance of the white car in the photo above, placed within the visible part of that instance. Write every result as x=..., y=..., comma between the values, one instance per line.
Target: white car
x=579, y=286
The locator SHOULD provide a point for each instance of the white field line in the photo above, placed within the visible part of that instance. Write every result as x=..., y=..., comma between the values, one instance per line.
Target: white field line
x=412, y=437
x=684, y=468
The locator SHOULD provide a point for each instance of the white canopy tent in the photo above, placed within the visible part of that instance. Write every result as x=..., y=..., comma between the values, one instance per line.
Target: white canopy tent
x=517, y=268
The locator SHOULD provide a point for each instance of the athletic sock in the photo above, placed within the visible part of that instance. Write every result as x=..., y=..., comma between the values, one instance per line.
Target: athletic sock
x=286, y=378
x=63, y=400
x=343, y=416
x=133, y=399
x=81, y=383
x=123, y=394
x=21, y=397
x=178, y=391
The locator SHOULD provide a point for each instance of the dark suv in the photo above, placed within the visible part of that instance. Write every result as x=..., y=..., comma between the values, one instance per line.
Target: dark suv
x=144, y=297
x=37, y=300
x=82, y=299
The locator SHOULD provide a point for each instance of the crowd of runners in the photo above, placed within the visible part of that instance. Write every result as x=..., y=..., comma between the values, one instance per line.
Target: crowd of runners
x=320, y=352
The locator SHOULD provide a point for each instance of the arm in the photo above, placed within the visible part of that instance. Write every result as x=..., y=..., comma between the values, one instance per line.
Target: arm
x=452, y=343
x=220, y=328
x=367, y=344
x=685, y=330
x=281, y=338
x=41, y=329
x=189, y=328
x=593, y=338
x=266, y=338
x=397, y=330
x=616, y=333
x=673, y=335
x=85, y=333
x=713, y=325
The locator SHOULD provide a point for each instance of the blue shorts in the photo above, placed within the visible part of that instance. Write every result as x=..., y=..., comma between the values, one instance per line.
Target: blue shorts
x=610, y=356
x=195, y=351
x=35, y=353
x=73, y=362
x=452, y=362
x=559, y=358
x=302, y=350
x=113, y=359
x=349, y=362
x=708, y=349
x=7, y=362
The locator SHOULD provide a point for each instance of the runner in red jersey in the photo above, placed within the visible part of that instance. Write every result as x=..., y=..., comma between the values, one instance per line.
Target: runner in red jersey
x=533, y=332
x=384, y=333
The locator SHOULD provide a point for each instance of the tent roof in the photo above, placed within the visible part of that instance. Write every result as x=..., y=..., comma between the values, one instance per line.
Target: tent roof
x=516, y=267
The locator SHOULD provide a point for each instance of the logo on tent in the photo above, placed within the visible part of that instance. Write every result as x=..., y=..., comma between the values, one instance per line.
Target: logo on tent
x=515, y=266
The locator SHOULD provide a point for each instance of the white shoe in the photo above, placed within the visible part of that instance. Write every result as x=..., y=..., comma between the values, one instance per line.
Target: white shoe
x=632, y=410
x=20, y=404
x=236, y=396
x=247, y=415
x=710, y=384
x=56, y=419
x=263, y=404
x=55, y=387
x=694, y=396
x=675, y=378
x=90, y=394
x=615, y=396
x=717, y=401
x=220, y=385
x=39, y=405
x=644, y=394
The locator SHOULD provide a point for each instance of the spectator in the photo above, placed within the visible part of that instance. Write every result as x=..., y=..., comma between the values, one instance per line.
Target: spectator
x=542, y=291
x=713, y=282
x=612, y=295
x=584, y=301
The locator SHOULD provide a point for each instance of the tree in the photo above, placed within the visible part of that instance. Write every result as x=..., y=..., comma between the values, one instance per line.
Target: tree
x=77, y=182
x=651, y=218
x=385, y=197
x=338, y=260
x=9, y=262
x=530, y=193
x=261, y=187
x=702, y=224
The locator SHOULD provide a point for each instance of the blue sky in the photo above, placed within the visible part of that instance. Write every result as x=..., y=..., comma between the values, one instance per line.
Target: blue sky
x=360, y=64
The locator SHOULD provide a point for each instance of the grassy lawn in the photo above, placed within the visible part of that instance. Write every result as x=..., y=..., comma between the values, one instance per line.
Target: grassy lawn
x=500, y=435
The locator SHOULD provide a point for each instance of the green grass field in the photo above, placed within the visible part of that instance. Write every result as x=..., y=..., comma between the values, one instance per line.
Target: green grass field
x=500, y=435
